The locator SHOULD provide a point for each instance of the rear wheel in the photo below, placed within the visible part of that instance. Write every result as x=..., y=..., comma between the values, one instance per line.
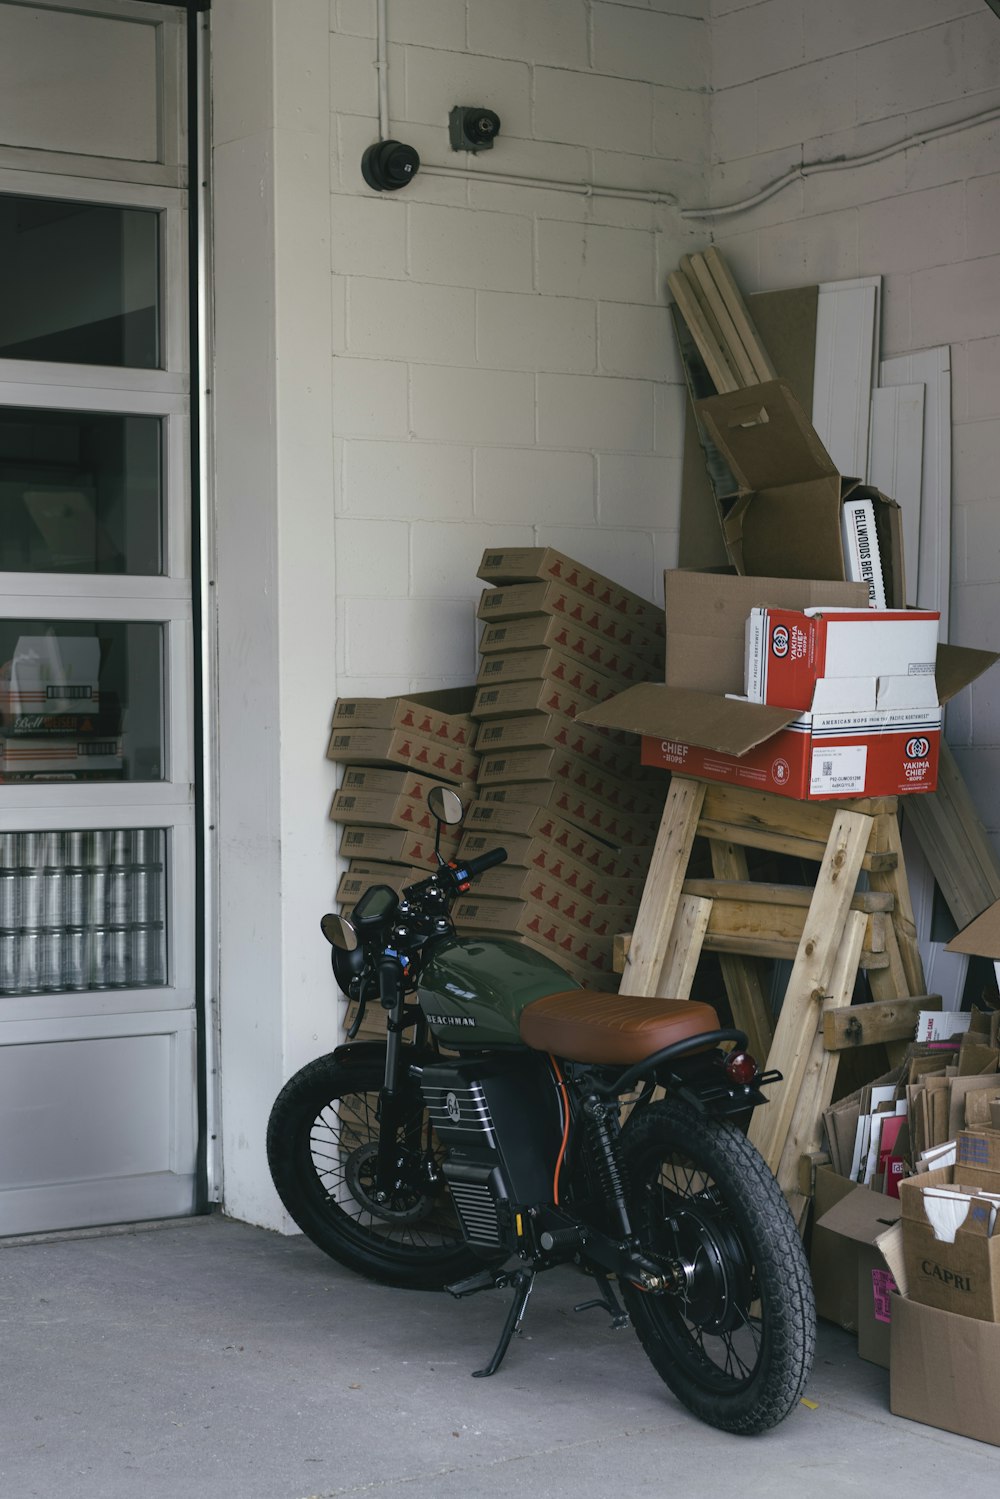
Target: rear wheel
x=735, y=1340
x=322, y=1141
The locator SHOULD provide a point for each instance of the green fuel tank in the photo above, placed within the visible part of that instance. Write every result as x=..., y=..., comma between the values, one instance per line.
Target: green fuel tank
x=472, y=989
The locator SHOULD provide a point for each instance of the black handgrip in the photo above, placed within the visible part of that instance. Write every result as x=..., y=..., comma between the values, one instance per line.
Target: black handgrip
x=390, y=975
x=469, y=868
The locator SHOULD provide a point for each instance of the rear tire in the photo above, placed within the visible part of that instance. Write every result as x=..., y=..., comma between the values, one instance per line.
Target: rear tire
x=321, y=1141
x=736, y=1345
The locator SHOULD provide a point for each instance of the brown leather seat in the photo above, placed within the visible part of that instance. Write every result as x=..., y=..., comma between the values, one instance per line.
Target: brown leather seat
x=586, y=1025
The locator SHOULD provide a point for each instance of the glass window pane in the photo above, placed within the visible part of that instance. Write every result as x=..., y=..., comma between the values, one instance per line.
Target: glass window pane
x=80, y=701
x=80, y=492
x=82, y=910
x=80, y=282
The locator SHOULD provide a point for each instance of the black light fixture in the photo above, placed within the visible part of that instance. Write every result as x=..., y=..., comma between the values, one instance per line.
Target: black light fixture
x=471, y=127
x=389, y=165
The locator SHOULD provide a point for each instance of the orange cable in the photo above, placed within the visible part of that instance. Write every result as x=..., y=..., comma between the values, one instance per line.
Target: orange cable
x=565, y=1138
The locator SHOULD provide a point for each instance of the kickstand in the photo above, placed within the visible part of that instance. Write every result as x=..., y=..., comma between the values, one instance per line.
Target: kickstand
x=522, y=1281
x=608, y=1301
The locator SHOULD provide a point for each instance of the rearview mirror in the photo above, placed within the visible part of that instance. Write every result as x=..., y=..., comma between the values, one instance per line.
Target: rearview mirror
x=445, y=805
x=339, y=932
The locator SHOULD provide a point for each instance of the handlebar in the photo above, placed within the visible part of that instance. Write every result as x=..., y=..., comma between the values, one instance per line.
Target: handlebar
x=473, y=867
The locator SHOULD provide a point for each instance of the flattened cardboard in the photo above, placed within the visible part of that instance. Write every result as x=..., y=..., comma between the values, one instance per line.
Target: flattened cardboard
x=981, y=938
x=526, y=564
x=944, y=1370
x=532, y=669
x=436, y=758
x=434, y=715
x=524, y=600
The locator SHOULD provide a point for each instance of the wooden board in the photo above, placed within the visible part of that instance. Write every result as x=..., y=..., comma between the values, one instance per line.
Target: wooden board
x=662, y=891
x=723, y=277
x=709, y=348
x=809, y=982
x=712, y=298
x=866, y=1025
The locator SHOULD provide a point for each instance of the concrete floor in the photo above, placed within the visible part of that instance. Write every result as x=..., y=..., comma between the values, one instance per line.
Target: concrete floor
x=206, y=1357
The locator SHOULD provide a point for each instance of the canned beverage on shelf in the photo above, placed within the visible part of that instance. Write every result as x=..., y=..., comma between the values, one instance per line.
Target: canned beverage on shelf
x=120, y=846
x=51, y=975
x=97, y=896
x=139, y=954
x=53, y=897
x=75, y=896
x=29, y=850
x=9, y=850
x=118, y=957
x=99, y=957
x=29, y=962
x=145, y=845
x=10, y=898
x=118, y=895
x=76, y=957
x=77, y=847
x=52, y=848
x=147, y=892
x=8, y=961
x=30, y=892
x=157, y=970
x=98, y=844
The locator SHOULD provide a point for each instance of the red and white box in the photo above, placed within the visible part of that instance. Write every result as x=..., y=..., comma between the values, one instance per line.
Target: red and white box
x=790, y=651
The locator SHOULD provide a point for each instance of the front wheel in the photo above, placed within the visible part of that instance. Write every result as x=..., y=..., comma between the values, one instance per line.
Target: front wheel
x=734, y=1340
x=322, y=1144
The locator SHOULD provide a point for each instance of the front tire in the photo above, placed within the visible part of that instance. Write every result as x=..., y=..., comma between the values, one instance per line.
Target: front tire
x=321, y=1142
x=736, y=1343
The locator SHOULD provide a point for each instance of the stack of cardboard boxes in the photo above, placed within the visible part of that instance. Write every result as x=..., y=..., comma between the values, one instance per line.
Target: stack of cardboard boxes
x=571, y=805
x=54, y=723
x=394, y=750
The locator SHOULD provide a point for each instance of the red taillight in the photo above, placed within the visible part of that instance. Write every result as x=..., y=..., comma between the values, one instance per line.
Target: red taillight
x=741, y=1068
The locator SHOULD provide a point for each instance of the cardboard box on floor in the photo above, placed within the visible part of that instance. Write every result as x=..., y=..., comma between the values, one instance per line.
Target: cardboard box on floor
x=961, y=1274
x=784, y=518
x=944, y=1370
x=691, y=726
x=850, y=1276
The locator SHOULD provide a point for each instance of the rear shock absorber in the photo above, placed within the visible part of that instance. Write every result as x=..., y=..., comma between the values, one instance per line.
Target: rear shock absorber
x=607, y=1159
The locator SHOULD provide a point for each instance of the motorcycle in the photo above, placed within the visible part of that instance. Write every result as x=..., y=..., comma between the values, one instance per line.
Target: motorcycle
x=513, y=1121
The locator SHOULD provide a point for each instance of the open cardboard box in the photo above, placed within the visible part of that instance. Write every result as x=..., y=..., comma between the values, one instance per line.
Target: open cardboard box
x=850, y=1277
x=691, y=726
x=784, y=519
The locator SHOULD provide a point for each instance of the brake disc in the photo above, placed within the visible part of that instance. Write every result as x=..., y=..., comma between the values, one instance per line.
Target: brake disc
x=406, y=1203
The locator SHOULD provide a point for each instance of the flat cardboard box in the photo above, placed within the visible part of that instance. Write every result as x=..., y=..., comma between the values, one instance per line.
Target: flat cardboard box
x=557, y=761
x=523, y=600
x=619, y=861
x=944, y=1370
x=615, y=828
x=547, y=857
x=981, y=938
x=977, y=1157
x=549, y=630
x=487, y=913
x=546, y=696
x=438, y=759
x=557, y=939
x=594, y=894
x=850, y=1276
x=962, y=1276
x=531, y=729
x=784, y=519
x=505, y=668
x=382, y=811
x=692, y=726
x=634, y=797
x=433, y=715
x=395, y=846
x=526, y=564
x=354, y=883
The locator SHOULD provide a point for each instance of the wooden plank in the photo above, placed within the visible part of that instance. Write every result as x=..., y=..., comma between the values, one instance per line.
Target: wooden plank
x=684, y=948
x=894, y=882
x=954, y=841
x=739, y=359
x=730, y=292
x=662, y=891
x=895, y=457
x=930, y=586
x=749, y=1004
x=687, y=269
x=805, y=1129
x=867, y=1025
x=711, y=352
x=809, y=981
x=782, y=843
x=846, y=361
x=890, y=982
x=765, y=893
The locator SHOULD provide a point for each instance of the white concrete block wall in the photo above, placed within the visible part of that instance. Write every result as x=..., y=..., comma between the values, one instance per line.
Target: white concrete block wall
x=503, y=363
x=794, y=82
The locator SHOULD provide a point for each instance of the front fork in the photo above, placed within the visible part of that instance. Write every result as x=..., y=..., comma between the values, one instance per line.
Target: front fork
x=388, y=1163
